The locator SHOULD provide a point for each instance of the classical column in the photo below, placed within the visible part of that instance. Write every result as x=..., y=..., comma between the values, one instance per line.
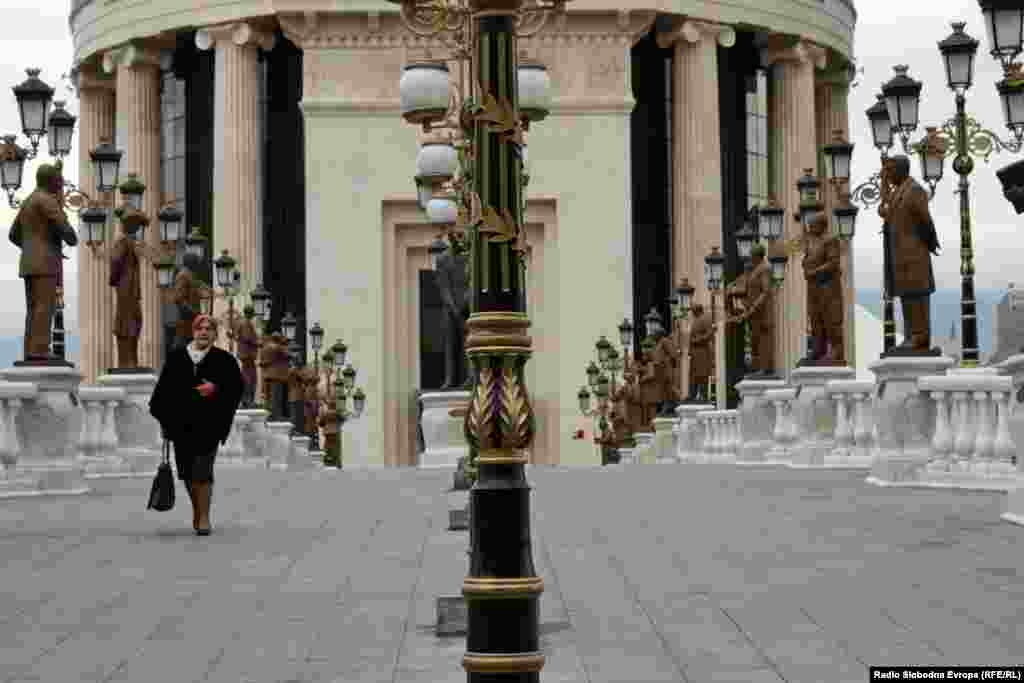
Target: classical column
x=236, y=171
x=831, y=111
x=95, y=299
x=138, y=137
x=697, y=157
x=791, y=118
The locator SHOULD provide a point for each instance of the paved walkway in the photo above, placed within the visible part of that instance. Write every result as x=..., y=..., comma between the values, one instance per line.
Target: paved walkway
x=652, y=573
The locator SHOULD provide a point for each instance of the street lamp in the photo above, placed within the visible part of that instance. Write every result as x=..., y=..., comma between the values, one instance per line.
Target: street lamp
x=965, y=136
x=746, y=236
x=261, y=302
x=1004, y=23
x=106, y=164
x=195, y=245
x=684, y=298
x=289, y=326
x=60, y=131
x=714, y=270
x=770, y=221
x=902, y=97
x=34, y=98
x=488, y=110
x=170, y=224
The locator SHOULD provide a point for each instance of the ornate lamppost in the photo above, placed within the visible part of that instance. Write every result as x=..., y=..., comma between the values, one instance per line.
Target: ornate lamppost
x=714, y=272
x=343, y=385
x=502, y=590
x=962, y=136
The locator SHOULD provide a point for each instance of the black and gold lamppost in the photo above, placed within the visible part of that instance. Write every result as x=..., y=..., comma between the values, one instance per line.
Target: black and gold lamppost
x=714, y=272
x=961, y=137
x=343, y=389
x=502, y=589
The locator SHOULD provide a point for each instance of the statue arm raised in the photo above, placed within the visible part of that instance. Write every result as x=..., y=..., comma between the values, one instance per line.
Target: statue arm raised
x=58, y=220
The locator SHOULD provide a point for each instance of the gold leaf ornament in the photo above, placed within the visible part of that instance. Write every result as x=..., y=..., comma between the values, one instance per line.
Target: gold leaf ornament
x=515, y=411
x=501, y=227
x=497, y=114
x=480, y=418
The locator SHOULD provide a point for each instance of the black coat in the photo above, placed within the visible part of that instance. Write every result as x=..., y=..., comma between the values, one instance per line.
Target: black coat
x=184, y=415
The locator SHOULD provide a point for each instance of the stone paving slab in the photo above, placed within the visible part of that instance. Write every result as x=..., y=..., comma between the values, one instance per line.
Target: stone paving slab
x=672, y=573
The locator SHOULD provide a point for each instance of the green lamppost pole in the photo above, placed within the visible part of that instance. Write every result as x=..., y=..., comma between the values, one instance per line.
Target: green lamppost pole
x=492, y=113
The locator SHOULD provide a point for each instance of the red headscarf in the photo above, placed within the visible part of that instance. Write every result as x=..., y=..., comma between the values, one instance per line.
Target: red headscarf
x=200, y=319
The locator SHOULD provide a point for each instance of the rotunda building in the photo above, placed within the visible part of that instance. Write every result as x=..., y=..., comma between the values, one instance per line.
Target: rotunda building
x=275, y=126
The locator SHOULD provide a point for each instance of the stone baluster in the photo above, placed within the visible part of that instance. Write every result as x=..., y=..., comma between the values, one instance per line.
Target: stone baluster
x=1003, y=448
x=109, y=427
x=6, y=454
x=844, y=432
x=964, y=442
x=942, y=440
x=862, y=431
x=985, y=432
x=704, y=419
x=88, y=441
x=14, y=440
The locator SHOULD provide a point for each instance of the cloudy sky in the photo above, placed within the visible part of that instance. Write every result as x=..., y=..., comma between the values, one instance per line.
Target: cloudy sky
x=35, y=34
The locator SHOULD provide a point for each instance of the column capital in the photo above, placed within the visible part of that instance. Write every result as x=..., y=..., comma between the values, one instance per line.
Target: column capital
x=240, y=33
x=802, y=52
x=839, y=76
x=87, y=77
x=694, y=31
x=131, y=56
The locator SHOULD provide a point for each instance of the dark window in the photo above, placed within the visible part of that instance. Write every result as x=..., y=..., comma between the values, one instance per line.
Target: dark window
x=431, y=334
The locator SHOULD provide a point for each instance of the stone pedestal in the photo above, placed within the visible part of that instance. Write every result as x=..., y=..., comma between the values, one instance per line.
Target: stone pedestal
x=814, y=413
x=138, y=433
x=757, y=418
x=627, y=456
x=298, y=455
x=691, y=433
x=664, y=440
x=1013, y=510
x=233, y=450
x=98, y=443
x=251, y=425
x=441, y=421
x=278, y=446
x=1014, y=367
x=903, y=417
x=643, y=454
x=44, y=430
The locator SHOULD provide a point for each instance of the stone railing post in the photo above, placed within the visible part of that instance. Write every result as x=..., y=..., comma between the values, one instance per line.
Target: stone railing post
x=756, y=418
x=690, y=431
x=98, y=455
x=863, y=430
x=783, y=433
x=664, y=443
x=847, y=395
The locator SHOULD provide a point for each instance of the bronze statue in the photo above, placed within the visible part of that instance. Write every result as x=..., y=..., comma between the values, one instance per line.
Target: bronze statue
x=759, y=309
x=824, y=292
x=909, y=242
x=39, y=230
x=187, y=299
x=297, y=397
x=702, y=337
x=126, y=279
x=453, y=285
x=664, y=362
x=328, y=421
x=248, y=351
x=274, y=363
x=626, y=405
x=311, y=380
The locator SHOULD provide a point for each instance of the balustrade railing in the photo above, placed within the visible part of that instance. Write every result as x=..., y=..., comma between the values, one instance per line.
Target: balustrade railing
x=853, y=423
x=784, y=432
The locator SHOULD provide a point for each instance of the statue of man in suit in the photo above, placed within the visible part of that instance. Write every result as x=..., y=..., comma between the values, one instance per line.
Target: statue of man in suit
x=126, y=279
x=39, y=230
x=759, y=309
x=824, y=291
x=453, y=285
x=910, y=240
x=702, y=336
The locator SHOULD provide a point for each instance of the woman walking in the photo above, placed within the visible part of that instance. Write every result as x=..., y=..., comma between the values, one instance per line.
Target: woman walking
x=195, y=401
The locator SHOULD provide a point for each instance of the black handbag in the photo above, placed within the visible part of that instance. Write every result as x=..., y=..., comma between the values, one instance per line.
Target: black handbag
x=161, y=495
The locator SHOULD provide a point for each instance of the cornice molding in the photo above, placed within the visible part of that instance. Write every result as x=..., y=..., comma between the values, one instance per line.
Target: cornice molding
x=694, y=31
x=375, y=30
x=130, y=56
x=87, y=78
x=240, y=33
x=802, y=52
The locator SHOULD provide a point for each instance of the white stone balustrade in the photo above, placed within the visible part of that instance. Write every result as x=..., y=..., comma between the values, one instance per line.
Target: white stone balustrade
x=664, y=440
x=98, y=454
x=853, y=425
x=690, y=441
x=757, y=418
x=814, y=414
x=298, y=455
x=13, y=396
x=784, y=429
x=643, y=453
x=722, y=435
x=138, y=433
x=971, y=445
x=1013, y=367
x=627, y=456
x=279, y=444
x=233, y=450
x=48, y=428
x=254, y=436
x=903, y=417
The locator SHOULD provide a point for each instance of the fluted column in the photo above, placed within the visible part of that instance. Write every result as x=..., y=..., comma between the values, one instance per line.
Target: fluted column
x=831, y=110
x=236, y=171
x=138, y=136
x=791, y=116
x=95, y=298
x=697, y=157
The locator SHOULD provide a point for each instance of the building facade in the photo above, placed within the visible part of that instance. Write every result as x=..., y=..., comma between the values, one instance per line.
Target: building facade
x=275, y=126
